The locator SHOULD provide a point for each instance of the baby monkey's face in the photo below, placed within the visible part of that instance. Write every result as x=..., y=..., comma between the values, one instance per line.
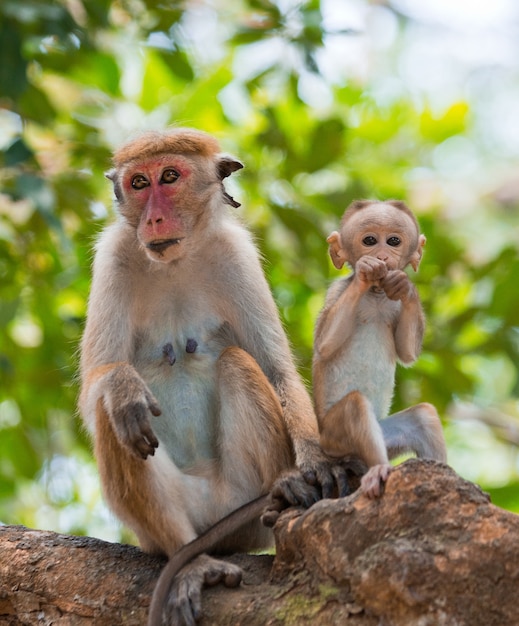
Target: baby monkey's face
x=383, y=232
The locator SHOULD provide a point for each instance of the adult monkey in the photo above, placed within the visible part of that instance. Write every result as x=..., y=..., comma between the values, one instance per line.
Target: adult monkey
x=188, y=383
x=371, y=320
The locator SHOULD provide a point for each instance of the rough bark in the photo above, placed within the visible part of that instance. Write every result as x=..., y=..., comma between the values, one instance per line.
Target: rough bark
x=432, y=551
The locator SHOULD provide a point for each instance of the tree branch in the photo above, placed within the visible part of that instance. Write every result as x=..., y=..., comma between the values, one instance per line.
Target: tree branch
x=432, y=548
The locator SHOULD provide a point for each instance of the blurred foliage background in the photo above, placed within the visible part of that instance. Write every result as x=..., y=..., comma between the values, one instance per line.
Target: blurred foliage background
x=324, y=102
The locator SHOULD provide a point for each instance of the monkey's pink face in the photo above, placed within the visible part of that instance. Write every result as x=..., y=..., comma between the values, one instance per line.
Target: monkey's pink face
x=156, y=201
x=389, y=235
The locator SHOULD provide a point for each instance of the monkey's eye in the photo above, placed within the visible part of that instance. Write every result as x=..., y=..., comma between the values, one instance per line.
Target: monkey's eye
x=369, y=241
x=394, y=241
x=169, y=176
x=139, y=181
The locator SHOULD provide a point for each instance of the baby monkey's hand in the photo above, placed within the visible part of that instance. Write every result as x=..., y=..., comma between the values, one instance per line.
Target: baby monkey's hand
x=370, y=271
x=397, y=286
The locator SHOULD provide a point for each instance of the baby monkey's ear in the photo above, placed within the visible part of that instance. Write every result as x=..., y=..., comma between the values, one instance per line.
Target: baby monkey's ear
x=335, y=249
x=416, y=257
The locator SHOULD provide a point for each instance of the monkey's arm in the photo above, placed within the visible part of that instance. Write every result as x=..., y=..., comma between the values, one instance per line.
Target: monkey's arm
x=410, y=325
x=106, y=371
x=410, y=330
x=337, y=321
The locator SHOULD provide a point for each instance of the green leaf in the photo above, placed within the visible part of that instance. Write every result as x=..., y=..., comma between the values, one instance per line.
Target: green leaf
x=452, y=122
x=13, y=67
x=18, y=152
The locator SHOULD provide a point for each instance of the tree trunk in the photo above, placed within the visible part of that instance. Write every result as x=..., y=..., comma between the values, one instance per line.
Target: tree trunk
x=432, y=551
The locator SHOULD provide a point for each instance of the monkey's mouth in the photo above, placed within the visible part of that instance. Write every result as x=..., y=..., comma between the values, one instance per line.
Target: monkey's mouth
x=163, y=244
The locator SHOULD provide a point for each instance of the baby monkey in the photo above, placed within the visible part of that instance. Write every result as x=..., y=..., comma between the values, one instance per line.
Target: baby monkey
x=372, y=319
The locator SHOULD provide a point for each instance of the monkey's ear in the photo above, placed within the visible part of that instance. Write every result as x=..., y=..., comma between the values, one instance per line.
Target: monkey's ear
x=227, y=165
x=336, y=251
x=416, y=257
x=112, y=175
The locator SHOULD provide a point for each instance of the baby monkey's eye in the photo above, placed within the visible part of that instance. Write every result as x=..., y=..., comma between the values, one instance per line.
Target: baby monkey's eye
x=369, y=240
x=394, y=241
x=169, y=176
x=139, y=181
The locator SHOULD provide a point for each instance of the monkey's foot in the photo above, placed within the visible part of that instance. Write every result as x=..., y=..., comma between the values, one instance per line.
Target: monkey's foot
x=372, y=483
x=184, y=606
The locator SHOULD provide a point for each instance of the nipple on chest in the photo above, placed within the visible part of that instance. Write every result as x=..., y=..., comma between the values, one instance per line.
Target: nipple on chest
x=191, y=345
x=169, y=353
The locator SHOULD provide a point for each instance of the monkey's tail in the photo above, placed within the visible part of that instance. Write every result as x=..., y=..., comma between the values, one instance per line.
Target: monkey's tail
x=205, y=542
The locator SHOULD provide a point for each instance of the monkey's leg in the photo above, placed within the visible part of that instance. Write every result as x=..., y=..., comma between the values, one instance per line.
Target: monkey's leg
x=351, y=427
x=254, y=445
x=417, y=429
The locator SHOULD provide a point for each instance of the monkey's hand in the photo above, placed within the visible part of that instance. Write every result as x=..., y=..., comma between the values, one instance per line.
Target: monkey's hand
x=290, y=489
x=369, y=271
x=129, y=402
x=330, y=478
x=397, y=286
x=184, y=606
